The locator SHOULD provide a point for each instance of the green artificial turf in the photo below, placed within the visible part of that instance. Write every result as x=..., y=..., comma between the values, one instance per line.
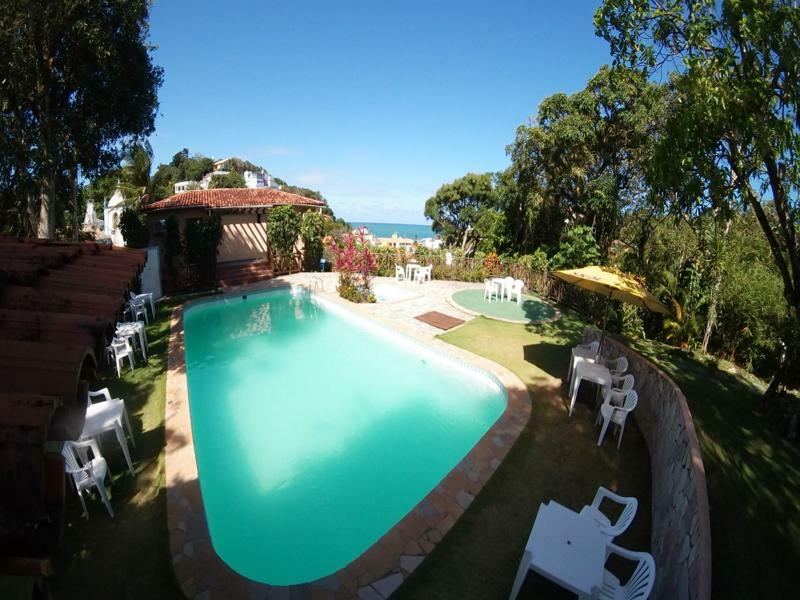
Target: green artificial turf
x=530, y=310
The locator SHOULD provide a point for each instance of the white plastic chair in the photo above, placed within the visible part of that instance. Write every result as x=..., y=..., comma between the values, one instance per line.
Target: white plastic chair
x=137, y=309
x=593, y=346
x=617, y=366
x=508, y=283
x=399, y=273
x=489, y=289
x=118, y=349
x=108, y=415
x=87, y=473
x=516, y=290
x=639, y=585
x=620, y=386
x=135, y=332
x=617, y=415
x=630, y=504
x=147, y=299
x=423, y=274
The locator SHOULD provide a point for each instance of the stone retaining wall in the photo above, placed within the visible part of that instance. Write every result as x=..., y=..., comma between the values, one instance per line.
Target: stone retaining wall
x=681, y=530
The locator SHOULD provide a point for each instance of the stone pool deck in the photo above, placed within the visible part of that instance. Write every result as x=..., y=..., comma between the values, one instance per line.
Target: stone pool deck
x=383, y=567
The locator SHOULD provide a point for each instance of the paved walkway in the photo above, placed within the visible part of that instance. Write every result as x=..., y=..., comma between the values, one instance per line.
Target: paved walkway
x=429, y=296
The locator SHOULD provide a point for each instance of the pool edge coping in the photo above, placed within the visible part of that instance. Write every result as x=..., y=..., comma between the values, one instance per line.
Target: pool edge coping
x=388, y=562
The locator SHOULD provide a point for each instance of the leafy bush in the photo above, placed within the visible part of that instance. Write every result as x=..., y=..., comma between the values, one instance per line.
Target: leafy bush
x=283, y=227
x=536, y=261
x=134, y=229
x=578, y=248
x=492, y=264
x=312, y=228
x=356, y=264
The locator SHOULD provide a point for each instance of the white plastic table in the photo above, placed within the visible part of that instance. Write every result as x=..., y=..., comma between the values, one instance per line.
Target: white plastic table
x=567, y=548
x=579, y=354
x=134, y=328
x=410, y=268
x=501, y=283
x=109, y=415
x=586, y=371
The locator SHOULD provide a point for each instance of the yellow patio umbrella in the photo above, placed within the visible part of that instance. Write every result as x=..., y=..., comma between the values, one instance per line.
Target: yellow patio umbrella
x=612, y=284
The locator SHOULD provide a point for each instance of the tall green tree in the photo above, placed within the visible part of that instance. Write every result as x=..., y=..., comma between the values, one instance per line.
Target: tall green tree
x=456, y=207
x=732, y=134
x=582, y=162
x=78, y=86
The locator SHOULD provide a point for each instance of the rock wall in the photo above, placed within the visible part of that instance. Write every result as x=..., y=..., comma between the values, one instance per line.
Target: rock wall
x=681, y=530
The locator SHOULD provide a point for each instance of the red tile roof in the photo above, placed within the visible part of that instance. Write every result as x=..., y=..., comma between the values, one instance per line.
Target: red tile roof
x=58, y=303
x=231, y=198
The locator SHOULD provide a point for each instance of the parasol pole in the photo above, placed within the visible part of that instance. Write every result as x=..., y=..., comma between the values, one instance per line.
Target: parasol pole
x=605, y=321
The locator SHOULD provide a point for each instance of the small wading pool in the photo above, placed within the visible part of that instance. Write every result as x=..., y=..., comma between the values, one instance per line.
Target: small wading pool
x=316, y=431
x=386, y=292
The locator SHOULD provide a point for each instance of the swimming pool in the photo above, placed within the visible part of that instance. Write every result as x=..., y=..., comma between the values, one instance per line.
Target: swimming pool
x=386, y=292
x=316, y=431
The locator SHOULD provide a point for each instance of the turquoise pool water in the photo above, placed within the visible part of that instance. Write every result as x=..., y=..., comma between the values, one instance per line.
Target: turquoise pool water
x=316, y=431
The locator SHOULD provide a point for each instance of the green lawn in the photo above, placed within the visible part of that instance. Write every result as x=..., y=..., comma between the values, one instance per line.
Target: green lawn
x=556, y=457
x=128, y=556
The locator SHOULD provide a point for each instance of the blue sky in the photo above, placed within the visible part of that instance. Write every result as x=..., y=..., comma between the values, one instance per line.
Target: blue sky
x=374, y=103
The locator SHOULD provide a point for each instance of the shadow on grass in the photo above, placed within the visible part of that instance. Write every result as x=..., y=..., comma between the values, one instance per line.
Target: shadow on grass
x=549, y=357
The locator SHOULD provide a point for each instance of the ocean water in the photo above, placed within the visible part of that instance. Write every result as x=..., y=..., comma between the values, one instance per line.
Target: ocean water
x=402, y=230
x=316, y=431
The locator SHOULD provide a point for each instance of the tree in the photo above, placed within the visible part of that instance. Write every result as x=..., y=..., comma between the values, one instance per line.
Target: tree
x=229, y=180
x=134, y=229
x=283, y=227
x=732, y=134
x=583, y=160
x=457, y=206
x=78, y=87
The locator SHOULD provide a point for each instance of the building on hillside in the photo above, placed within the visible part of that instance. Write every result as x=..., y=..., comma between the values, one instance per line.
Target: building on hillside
x=243, y=212
x=431, y=243
x=252, y=180
x=256, y=179
x=369, y=237
x=396, y=241
x=184, y=186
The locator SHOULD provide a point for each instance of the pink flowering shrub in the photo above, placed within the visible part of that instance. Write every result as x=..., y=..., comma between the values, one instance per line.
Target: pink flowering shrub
x=356, y=264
